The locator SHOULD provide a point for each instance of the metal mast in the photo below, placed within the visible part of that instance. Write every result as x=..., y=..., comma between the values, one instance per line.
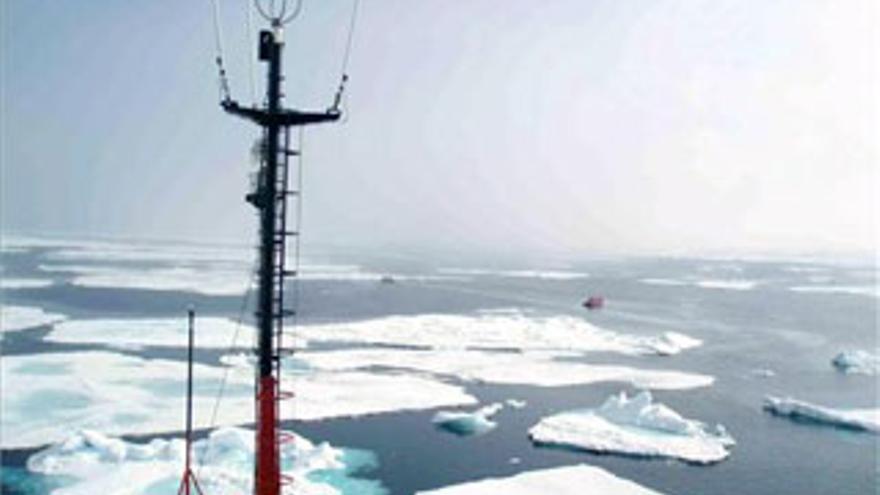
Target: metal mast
x=270, y=197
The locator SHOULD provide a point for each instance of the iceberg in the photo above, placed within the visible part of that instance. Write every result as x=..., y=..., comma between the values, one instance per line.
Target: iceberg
x=857, y=361
x=634, y=426
x=579, y=479
x=504, y=331
x=536, y=368
x=15, y=318
x=45, y=396
x=464, y=423
x=211, y=332
x=854, y=419
x=89, y=462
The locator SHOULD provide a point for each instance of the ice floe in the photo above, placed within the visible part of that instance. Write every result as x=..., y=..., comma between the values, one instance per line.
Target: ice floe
x=24, y=283
x=496, y=331
x=663, y=281
x=732, y=284
x=856, y=419
x=46, y=396
x=635, y=426
x=541, y=369
x=89, y=462
x=855, y=290
x=857, y=361
x=579, y=479
x=212, y=281
x=211, y=332
x=534, y=274
x=14, y=318
x=466, y=423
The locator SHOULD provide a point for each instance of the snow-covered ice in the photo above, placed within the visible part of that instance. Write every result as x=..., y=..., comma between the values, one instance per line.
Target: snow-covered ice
x=532, y=273
x=579, y=479
x=208, y=280
x=88, y=462
x=731, y=284
x=23, y=283
x=857, y=361
x=536, y=368
x=46, y=396
x=635, y=426
x=857, y=419
x=496, y=331
x=14, y=318
x=663, y=281
x=211, y=332
x=466, y=423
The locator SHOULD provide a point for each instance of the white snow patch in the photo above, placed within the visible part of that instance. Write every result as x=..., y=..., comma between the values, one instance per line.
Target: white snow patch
x=859, y=419
x=15, y=318
x=857, y=361
x=507, y=368
x=634, y=426
x=496, y=331
x=579, y=479
x=46, y=396
x=24, y=283
x=211, y=332
x=96, y=463
x=732, y=284
x=466, y=423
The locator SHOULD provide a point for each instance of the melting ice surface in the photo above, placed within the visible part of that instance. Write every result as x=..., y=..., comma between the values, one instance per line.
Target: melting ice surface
x=634, y=426
x=857, y=361
x=89, y=462
x=46, y=396
x=856, y=419
x=15, y=318
x=465, y=423
x=579, y=479
x=211, y=332
x=497, y=331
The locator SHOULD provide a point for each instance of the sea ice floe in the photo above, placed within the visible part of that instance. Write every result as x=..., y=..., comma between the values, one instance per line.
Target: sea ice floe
x=208, y=280
x=467, y=423
x=150, y=252
x=855, y=419
x=856, y=290
x=579, y=479
x=535, y=368
x=857, y=361
x=45, y=396
x=534, y=274
x=496, y=331
x=14, y=318
x=210, y=332
x=23, y=283
x=663, y=281
x=635, y=426
x=88, y=462
x=732, y=284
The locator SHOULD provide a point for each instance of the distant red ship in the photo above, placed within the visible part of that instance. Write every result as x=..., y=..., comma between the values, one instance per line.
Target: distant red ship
x=594, y=302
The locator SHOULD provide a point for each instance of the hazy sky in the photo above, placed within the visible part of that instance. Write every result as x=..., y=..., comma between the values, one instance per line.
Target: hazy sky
x=580, y=126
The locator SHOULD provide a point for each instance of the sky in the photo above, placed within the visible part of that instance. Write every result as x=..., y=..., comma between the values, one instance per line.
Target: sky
x=566, y=126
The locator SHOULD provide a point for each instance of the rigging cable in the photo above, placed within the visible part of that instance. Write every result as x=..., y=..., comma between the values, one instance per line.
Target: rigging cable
x=252, y=78
x=218, y=56
x=346, y=56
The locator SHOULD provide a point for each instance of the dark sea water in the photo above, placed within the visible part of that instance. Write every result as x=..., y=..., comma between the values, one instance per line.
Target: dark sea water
x=767, y=327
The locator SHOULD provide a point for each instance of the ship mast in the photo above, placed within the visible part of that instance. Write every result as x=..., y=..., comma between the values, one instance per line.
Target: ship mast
x=270, y=198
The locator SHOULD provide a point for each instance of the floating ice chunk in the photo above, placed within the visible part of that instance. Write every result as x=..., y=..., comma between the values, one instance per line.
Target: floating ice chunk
x=509, y=368
x=465, y=423
x=14, y=318
x=579, y=479
x=856, y=419
x=762, y=373
x=89, y=462
x=634, y=426
x=211, y=332
x=515, y=403
x=727, y=284
x=856, y=290
x=496, y=331
x=45, y=396
x=537, y=274
x=857, y=361
x=24, y=283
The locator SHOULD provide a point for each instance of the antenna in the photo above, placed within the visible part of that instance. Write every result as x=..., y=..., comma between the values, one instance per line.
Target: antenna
x=271, y=196
x=189, y=481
